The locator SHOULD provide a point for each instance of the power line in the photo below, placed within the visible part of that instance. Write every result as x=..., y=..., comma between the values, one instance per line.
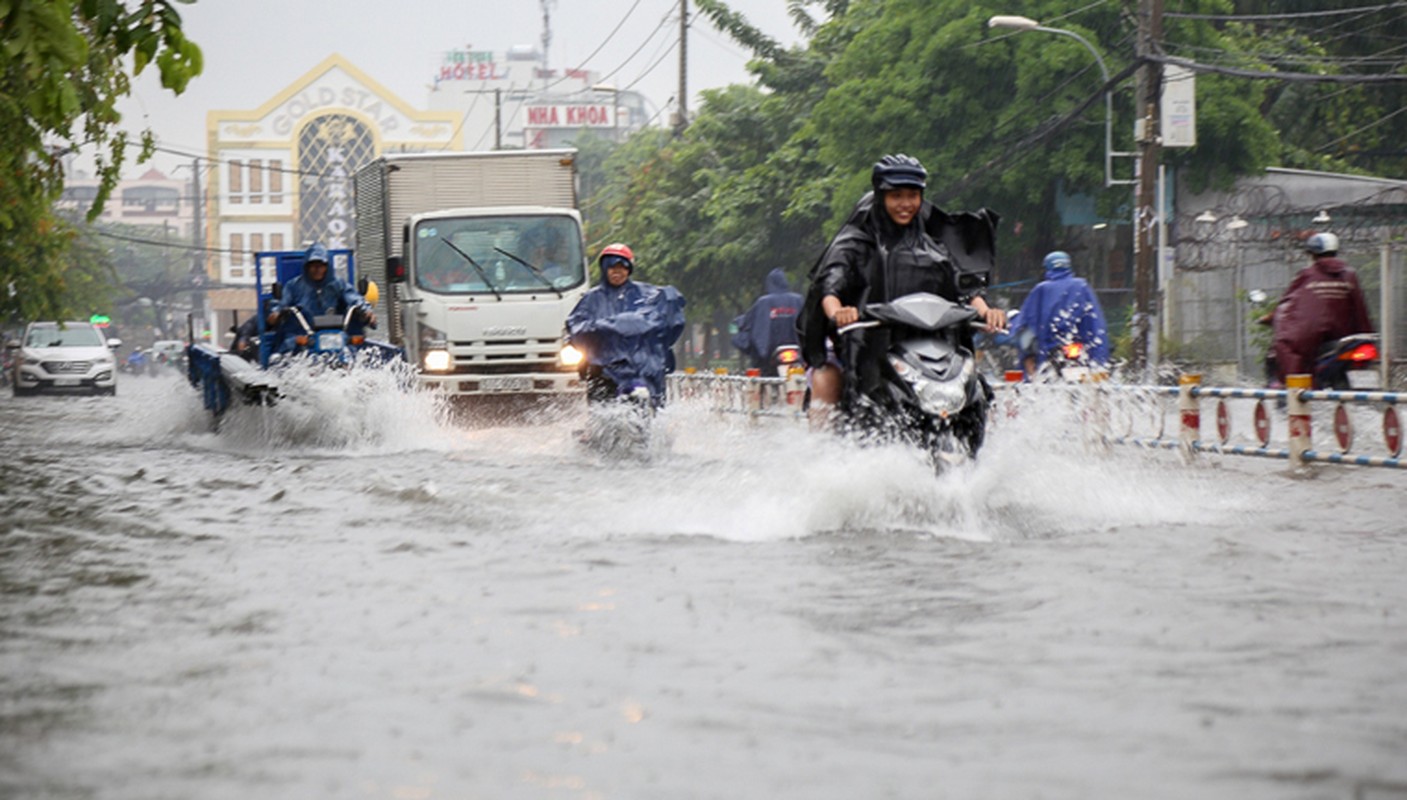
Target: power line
x=1276, y=17
x=1294, y=77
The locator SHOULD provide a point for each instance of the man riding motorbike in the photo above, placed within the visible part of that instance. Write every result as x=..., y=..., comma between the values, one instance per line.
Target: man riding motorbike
x=770, y=322
x=317, y=291
x=1061, y=311
x=1324, y=302
x=625, y=329
x=894, y=243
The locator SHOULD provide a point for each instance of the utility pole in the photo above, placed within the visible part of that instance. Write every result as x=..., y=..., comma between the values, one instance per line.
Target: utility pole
x=1147, y=97
x=198, y=274
x=681, y=119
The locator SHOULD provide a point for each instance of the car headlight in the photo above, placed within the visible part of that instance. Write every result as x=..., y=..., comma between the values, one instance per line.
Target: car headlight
x=570, y=356
x=437, y=360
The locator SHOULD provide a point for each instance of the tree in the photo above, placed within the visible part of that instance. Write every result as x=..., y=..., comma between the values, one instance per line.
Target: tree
x=64, y=64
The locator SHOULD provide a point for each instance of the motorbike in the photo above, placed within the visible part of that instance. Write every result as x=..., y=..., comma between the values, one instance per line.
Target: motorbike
x=930, y=393
x=1349, y=363
x=337, y=340
x=1068, y=363
x=619, y=423
x=785, y=358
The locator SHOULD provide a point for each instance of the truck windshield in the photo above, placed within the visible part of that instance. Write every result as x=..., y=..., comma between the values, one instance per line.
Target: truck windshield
x=513, y=255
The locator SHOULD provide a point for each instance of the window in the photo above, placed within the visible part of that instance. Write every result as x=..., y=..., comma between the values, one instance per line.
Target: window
x=236, y=182
x=256, y=181
x=236, y=249
x=276, y=183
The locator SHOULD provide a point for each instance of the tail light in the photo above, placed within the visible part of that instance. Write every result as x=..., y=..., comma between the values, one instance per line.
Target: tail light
x=301, y=340
x=789, y=356
x=1073, y=350
x=357, y=340
x=1361, y=354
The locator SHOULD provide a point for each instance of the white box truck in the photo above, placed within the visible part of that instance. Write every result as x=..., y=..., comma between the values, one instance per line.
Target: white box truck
x=483, y=257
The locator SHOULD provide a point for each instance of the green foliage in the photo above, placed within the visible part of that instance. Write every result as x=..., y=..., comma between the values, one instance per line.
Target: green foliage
x=764, y=174
x=61, y=75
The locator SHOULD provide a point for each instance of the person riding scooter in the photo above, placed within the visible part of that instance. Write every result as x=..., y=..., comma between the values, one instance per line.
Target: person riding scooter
x=1323, y=303
x=770, y=322
x=1063, y=311
x=625, y=329
x=893, y=244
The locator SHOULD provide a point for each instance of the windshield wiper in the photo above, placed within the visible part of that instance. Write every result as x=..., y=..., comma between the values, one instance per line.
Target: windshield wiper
x=537, y=273
x=476, y=267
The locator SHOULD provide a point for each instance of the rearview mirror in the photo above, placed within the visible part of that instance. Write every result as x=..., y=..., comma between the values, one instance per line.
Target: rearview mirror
x=395, y=269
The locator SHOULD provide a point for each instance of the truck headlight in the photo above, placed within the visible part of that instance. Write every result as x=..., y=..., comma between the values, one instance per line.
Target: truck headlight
x=570, y=356
x=437, y=361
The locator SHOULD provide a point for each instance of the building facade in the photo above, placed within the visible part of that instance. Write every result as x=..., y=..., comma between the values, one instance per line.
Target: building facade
x=281, y=174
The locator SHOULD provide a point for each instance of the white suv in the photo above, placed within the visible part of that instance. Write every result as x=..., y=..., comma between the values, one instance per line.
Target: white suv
x=69, y=356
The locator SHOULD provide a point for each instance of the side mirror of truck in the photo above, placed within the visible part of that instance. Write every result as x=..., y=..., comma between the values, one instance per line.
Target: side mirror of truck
x=395, y=269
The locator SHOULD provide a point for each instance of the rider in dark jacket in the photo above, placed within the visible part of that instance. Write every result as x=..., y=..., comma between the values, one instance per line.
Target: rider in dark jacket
x=626, y=329
x=770, y=323
x=894, y=243
x=1324, y=303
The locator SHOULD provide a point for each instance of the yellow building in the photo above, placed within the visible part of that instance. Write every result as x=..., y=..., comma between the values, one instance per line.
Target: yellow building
x=282, y=173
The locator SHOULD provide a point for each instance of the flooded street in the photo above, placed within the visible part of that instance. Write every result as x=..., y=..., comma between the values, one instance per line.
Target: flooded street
x=358, y=598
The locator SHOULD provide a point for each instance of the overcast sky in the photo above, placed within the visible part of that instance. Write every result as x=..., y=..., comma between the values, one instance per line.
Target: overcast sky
x=255, y=48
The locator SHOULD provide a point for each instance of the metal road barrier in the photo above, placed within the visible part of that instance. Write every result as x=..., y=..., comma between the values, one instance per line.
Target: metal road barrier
x=1124, y=414
x=744, y=395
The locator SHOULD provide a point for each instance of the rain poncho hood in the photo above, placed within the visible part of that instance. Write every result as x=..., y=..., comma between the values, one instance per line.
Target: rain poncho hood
x=1324, y=302
x=1064, y=309
x=771, y=322
x=628, y=331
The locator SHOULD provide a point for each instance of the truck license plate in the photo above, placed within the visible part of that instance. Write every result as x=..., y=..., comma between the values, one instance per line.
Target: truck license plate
x=506, y=383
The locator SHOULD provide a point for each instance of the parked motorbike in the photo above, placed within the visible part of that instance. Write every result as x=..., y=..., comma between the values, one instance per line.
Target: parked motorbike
x=930, y=393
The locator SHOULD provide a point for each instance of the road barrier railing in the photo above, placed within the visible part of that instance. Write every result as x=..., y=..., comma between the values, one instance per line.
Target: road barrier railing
x=1138, y=415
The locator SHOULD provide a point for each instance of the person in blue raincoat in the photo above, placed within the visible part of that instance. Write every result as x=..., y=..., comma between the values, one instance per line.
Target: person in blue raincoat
x=625, y=329
x=1063, y=309
x=317, y=291
x=770, y=323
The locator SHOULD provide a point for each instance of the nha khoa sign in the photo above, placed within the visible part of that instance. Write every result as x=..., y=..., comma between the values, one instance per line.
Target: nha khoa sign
x=571, y=115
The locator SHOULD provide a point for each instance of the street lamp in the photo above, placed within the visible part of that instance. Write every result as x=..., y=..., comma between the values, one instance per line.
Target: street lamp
x=1019, y=24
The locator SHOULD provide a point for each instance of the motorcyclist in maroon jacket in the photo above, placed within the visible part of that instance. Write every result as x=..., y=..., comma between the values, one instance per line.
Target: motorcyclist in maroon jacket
x=1324, y=302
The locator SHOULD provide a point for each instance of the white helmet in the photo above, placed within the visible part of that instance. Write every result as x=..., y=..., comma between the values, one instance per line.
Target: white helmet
x=1322, y=244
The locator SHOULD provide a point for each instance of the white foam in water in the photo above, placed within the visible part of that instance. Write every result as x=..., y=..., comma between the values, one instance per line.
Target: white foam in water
x=358, y=411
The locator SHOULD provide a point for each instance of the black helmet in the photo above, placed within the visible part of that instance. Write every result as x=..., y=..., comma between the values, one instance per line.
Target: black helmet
x=894, y=171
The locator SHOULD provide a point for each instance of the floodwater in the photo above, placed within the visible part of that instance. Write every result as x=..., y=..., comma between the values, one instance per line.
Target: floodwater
x=356, y=596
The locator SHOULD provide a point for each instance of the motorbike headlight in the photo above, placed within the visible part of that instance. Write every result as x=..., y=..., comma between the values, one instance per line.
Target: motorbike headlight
x=943, y=397
x=437, y=361
x=570, y=356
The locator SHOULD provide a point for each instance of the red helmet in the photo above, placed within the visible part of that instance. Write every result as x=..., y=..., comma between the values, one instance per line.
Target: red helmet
x=617, y=251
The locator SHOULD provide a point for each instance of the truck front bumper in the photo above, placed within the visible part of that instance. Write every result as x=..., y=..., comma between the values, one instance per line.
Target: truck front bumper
x=546, y=383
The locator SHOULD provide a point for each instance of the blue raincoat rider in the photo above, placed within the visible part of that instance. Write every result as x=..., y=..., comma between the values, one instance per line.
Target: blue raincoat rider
x=317, y=291
x=1063, y=309
x=626, y=329
x=770, y=323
